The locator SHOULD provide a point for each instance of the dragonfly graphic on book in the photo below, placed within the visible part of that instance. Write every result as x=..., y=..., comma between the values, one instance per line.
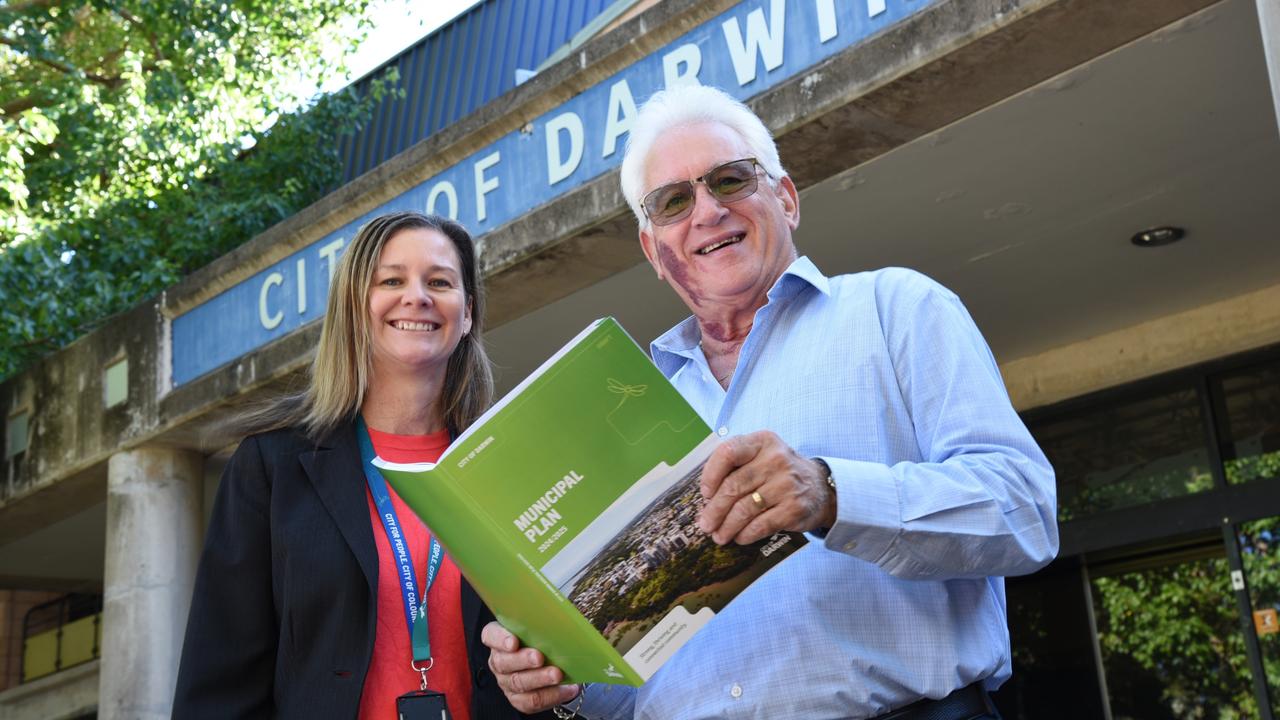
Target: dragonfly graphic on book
x=634, y=417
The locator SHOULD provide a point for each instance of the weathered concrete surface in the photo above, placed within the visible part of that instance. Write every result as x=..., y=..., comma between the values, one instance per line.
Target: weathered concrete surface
x=71, y=693
x=71, y=432
x=154, y=536
x=951, y=59
x=1242, y=323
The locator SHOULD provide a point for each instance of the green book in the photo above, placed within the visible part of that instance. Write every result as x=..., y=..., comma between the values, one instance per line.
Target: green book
x=571, y=507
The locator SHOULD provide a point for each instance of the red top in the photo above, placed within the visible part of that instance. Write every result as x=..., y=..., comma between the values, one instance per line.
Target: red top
x=389, y=673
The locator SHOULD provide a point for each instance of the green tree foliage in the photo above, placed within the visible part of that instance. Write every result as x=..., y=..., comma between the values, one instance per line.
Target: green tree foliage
x=140, y=140
x=1172, y=643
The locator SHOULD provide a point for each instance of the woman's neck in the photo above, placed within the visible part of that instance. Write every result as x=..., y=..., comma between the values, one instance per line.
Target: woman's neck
x=404, y=407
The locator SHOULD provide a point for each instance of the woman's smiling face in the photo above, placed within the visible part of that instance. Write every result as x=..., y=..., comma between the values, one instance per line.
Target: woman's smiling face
x=418, y=306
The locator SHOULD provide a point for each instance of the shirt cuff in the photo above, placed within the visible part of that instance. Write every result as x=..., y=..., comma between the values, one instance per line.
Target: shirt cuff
x=601, y=701
x=868, y=509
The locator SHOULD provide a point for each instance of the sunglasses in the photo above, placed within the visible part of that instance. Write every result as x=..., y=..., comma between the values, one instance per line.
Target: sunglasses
x=728, y=183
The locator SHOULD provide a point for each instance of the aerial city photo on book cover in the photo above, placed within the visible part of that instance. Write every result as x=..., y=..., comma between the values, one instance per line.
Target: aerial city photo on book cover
x=658, y=566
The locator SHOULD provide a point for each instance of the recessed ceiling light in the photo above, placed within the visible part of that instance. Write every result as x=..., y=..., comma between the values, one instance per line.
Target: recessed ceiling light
x=1156, y=236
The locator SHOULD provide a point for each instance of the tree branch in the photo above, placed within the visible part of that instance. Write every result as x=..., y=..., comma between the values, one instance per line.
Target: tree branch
x=17, y=107
x=24, y=5
x=142, y=28
x=45, y=341
x=110, y=82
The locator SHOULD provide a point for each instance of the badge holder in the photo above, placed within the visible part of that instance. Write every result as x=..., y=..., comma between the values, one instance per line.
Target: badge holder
x=422, y=704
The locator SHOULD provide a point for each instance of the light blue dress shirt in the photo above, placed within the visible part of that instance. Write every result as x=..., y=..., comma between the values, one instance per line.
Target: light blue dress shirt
x=940, y=492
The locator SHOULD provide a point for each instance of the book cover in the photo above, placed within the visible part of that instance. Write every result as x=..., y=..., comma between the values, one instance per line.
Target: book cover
x=571, y=506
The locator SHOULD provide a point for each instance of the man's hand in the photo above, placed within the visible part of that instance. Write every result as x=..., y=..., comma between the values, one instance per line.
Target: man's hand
x=757, y=485
x=528, y=682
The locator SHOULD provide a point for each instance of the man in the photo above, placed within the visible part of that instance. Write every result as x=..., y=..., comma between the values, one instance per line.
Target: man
x=865, y=409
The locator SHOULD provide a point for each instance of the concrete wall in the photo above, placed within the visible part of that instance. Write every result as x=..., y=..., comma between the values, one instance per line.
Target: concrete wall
x=67, y=695
x=1180, y=340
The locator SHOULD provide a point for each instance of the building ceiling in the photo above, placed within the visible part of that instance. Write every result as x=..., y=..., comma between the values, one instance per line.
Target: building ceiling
x=1026, y=209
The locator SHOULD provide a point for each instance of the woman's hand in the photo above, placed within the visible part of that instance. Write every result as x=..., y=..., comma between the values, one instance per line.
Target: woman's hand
x=528, y=682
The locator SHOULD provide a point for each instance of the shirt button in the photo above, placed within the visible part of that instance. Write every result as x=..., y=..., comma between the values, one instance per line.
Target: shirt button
x=722, y=432
x=736, y=690
x=851, y=545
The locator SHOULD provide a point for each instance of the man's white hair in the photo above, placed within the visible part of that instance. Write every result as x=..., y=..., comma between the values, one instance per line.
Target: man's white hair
x=689, y=105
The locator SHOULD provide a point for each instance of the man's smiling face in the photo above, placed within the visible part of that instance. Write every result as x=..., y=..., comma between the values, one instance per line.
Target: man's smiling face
x=722, y=257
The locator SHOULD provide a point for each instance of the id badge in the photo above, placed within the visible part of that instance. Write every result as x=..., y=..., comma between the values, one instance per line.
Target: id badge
x=422, y=705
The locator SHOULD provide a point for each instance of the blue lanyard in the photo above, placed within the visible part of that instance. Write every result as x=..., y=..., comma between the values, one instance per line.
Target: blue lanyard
x=414, y=606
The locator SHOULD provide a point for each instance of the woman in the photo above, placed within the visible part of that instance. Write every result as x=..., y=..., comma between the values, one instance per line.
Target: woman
x=298, y=609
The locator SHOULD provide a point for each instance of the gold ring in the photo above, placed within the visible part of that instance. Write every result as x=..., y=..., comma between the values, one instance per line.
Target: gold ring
x=758, y=500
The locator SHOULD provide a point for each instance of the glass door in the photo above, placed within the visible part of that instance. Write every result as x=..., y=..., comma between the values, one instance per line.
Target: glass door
x=1168, y=586
x=1247, y=413
x=1260, y=558
x=1170, y=638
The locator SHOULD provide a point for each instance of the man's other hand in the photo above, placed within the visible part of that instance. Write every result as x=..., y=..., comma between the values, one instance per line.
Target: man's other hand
x=756, y=485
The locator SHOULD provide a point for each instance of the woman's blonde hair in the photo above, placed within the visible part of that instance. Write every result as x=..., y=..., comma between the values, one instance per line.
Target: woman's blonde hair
x=344, y=361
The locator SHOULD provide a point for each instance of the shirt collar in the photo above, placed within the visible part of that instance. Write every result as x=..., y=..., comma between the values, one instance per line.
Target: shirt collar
x=680, y=343
x=801, y=272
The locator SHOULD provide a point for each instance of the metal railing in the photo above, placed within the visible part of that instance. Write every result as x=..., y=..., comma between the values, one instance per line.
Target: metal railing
x=60, y=634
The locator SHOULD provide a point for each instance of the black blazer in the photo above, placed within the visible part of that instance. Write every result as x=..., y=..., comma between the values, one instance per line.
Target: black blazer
x=282, y=619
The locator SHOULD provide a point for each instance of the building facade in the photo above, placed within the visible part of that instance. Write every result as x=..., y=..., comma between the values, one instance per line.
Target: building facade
x=1098, y=180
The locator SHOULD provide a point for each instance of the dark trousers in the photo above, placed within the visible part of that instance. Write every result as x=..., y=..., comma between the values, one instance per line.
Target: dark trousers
x=968, y=703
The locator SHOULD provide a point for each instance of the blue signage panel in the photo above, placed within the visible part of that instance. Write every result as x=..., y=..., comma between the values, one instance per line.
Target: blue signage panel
x=749, y=48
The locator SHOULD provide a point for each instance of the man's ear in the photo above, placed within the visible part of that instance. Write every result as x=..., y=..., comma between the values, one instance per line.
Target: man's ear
x=650, y=246
x=790, y=198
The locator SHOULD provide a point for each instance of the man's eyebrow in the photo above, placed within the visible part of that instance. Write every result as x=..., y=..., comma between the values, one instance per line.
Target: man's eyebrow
x=674, y=181
x=712, y=166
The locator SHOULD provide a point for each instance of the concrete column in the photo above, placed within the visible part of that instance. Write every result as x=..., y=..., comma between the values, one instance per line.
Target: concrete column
x=153, y=545
x=1269, y=21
